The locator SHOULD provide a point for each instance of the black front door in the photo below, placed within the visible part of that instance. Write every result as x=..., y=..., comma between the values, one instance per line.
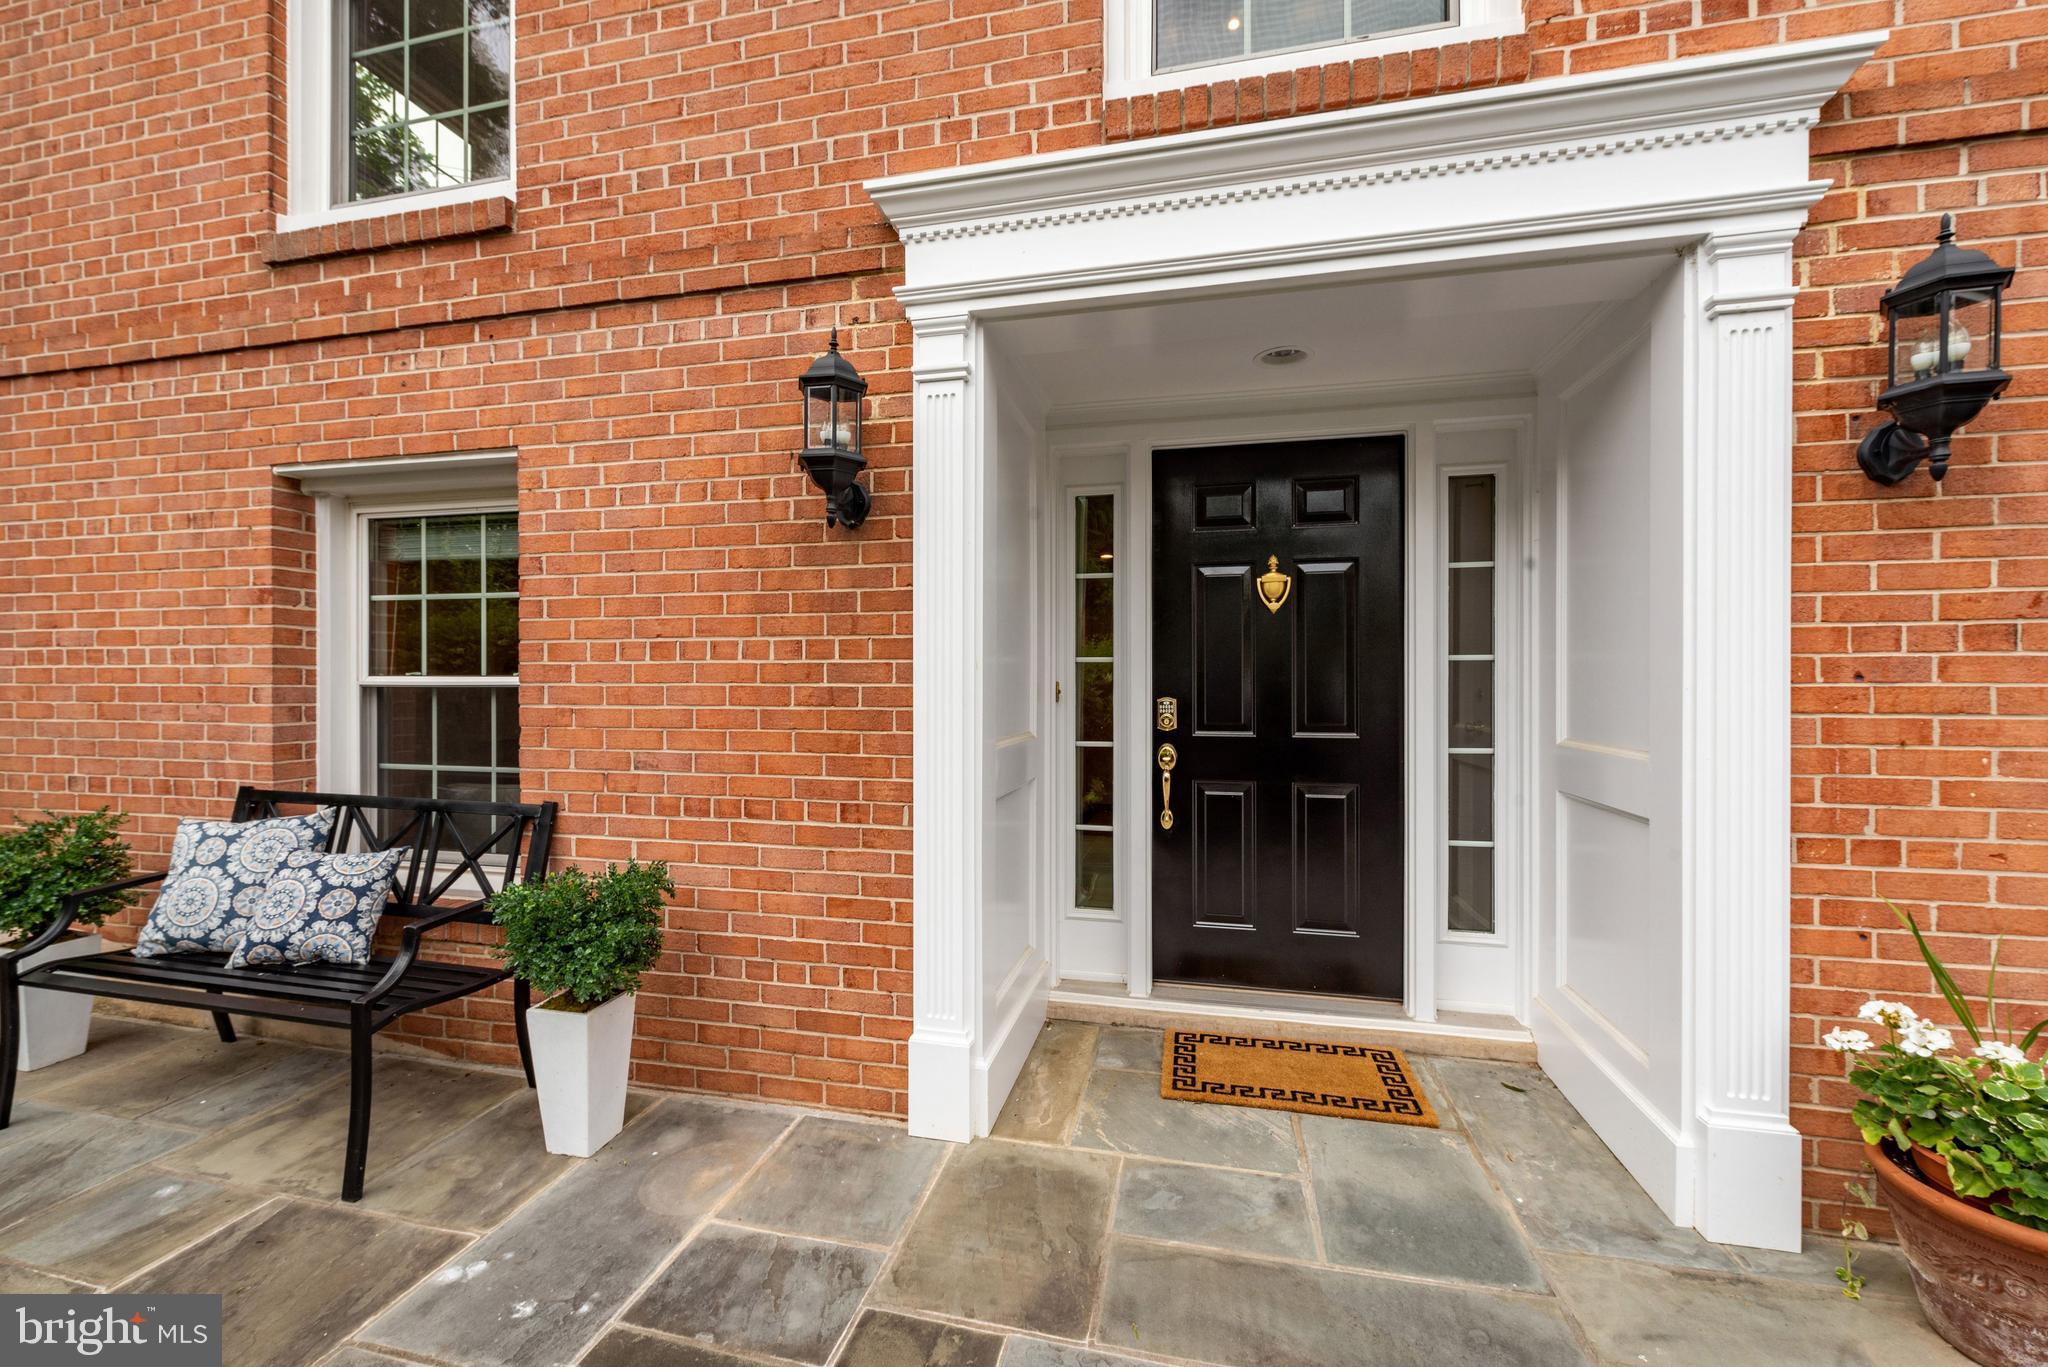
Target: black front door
x=1276, y=812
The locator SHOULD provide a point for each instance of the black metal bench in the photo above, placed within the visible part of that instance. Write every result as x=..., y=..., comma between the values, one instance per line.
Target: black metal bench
x=459, y=850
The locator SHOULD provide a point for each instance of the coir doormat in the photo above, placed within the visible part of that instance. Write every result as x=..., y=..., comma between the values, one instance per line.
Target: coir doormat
x=1364, y=1082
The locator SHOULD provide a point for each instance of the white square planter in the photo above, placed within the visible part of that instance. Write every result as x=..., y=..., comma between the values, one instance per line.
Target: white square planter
x=580, y=1060
x=54, y=1024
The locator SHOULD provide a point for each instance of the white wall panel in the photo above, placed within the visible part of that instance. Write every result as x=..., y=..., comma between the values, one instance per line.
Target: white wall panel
x=1610, y=972
x=1013, y=961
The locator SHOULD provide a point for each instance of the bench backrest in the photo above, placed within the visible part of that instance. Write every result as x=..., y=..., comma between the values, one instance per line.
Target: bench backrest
x=458, y=850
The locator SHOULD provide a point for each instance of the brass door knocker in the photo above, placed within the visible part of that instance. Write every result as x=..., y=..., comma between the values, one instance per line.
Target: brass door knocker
x=1273, y=585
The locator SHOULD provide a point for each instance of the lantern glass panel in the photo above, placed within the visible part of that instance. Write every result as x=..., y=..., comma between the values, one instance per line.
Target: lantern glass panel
x=1916, y=344
x=818, y=416
x=1970, y=328
x=853, y=421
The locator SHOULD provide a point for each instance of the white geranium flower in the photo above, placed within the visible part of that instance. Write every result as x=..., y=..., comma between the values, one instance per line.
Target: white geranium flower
x=1998, y=1051
x=1846, y=1041
x=1922, y=1040
x=1896, y=1015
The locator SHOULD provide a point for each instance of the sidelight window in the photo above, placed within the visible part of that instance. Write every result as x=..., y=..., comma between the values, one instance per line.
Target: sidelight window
x=441, y=682
x=1470, y=633
x=1094, y=646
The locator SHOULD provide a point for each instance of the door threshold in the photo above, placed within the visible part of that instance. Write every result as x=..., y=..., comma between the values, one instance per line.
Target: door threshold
x=1294, y=1015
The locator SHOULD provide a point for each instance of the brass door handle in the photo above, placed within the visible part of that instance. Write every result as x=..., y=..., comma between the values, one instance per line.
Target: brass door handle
x=1168, y=757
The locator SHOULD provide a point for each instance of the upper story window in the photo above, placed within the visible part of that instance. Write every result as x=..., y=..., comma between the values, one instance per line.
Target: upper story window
x=1150, y=46
x=429, y=89
x=396, y=105
x=1204, y=32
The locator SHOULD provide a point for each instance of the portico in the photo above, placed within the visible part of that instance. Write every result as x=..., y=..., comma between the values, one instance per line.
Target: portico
x=1580, y=289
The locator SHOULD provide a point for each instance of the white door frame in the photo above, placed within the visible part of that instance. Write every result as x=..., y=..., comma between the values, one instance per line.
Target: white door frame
x=1703, y=154
x=1125, y=439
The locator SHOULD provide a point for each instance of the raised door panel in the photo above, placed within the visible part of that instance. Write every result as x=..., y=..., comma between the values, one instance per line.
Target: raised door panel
x=1326, y=648
x=1225, y=850
x=1328, y=855
x=1225, y=701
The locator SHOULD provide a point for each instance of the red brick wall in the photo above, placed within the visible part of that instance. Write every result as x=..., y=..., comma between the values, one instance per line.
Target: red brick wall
x=707, y=676
x=712, y=679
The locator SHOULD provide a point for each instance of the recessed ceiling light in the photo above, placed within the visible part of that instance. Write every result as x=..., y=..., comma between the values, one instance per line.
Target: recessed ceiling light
x=1282, y=355
x=1234, y=24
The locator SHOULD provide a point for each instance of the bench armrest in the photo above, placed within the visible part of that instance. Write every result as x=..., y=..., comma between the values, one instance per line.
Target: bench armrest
x=68, y=909
x=409, y=947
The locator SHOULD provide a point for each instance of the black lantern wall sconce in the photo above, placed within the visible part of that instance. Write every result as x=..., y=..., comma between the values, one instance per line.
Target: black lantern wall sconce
x=833, y=391
x=1942, y=328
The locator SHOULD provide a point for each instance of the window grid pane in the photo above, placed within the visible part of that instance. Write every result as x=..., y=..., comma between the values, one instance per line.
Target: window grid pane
x=443, y=597
x=1469, y=633
x=1094, y=652
x=429, y=94
x=1203, y=32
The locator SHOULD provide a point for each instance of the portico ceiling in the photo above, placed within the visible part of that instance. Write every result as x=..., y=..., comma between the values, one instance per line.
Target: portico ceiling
x=1471, y=324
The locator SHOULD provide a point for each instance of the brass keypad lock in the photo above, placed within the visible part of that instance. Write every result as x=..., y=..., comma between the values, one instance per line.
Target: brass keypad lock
x=1169, y=714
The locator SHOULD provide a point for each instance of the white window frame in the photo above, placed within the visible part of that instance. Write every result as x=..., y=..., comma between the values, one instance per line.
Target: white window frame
x=1128, y=47
x=1502, y=659
x=314, y=123
x=1090, y=944
x=355, y=715
x=348, y=495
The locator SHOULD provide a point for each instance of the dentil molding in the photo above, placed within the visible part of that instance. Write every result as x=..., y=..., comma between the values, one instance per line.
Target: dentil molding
x=1711, y=98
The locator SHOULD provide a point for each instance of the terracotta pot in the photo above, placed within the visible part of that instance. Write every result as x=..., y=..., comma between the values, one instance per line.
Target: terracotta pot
x=1934, y=1168
x=1982, y=1281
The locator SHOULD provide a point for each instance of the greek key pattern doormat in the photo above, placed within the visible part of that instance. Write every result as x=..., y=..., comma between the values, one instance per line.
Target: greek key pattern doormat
x=1364, y=1082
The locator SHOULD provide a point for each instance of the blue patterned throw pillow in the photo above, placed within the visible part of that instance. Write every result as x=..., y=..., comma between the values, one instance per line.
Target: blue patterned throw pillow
x=218, y=872
x=319, y=908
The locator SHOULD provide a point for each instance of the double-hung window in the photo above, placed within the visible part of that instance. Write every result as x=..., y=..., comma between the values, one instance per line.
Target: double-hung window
x=429, y=95
x=440, y=683
x=417, y=625
x=1158, y=45
x=1204, y=32
x=397, y=104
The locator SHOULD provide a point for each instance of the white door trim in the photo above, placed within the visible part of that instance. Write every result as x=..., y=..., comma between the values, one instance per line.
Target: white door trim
x=1506, y=405
x=1707, y=152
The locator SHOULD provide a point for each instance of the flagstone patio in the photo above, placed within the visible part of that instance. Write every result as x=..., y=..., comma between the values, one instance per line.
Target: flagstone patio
x=1102, y=1226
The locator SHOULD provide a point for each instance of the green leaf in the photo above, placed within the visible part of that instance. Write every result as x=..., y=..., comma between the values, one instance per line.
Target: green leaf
x=2027, y=1040
x=1991, y=991
x=44, y=861
x=1942, y=980
x=587, y=938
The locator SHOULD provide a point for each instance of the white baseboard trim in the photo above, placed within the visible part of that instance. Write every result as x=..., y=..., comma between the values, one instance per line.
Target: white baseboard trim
x=1009, y=1045
x=1657, y=1156
x=1759, y=1205
x=942, y=1078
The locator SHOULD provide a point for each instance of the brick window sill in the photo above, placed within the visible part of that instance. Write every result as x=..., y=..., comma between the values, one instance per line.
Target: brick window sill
x=401, y=227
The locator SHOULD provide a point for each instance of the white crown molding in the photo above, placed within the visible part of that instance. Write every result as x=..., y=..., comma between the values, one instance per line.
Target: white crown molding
x=1725, y=95
x=1418, y=243
x=1610, y=145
